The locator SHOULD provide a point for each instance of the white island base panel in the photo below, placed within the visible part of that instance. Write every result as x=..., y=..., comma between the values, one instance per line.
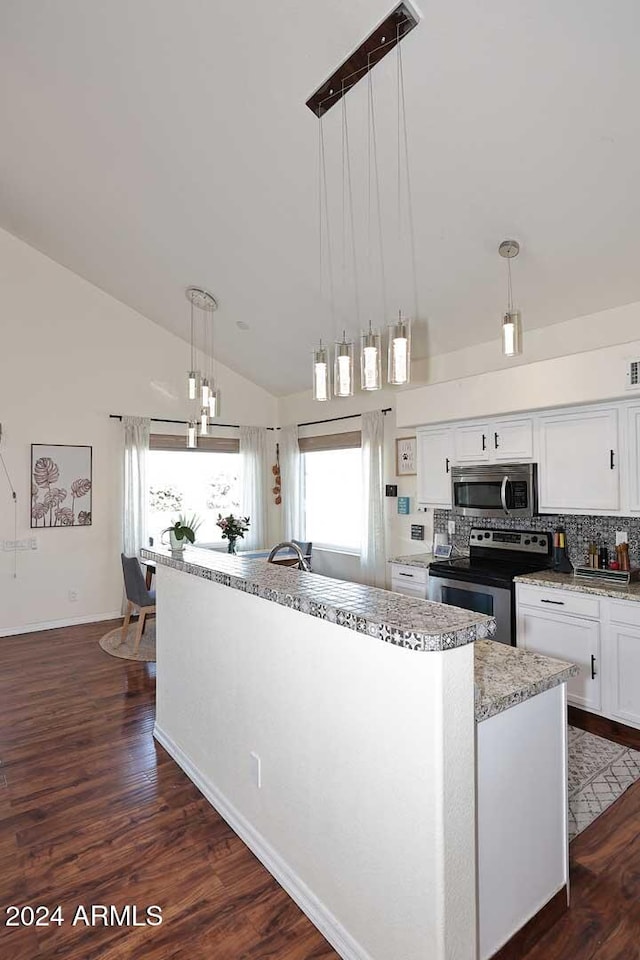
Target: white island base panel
x=331, y=755
x=523, y=846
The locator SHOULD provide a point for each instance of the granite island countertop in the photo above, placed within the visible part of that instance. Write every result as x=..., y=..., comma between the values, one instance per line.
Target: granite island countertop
x=567, y=581
x=506, y=676
x=414, y=560
x=409, y=622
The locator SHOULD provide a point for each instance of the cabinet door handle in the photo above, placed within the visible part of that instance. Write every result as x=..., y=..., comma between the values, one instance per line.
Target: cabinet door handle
x=557, y=603
x=484, y=442
x=611, y=459
x=446, y=464
x=495, y=441
x=410, y=575
x=593, y=667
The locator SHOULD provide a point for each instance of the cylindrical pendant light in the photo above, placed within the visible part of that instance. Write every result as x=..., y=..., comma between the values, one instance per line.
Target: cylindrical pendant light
x=370, y=361
x=205, y=391
x=343, y=368
x=192, y=440
x=204, y=421
x=192, y=385
x=399, y=355
x=511, y=334
x=321, y=384
x=214, y=401
x=511, y=321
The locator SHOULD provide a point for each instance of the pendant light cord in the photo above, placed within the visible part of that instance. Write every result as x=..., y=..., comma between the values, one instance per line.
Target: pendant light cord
x=193, y=352
x=347, y=155
x=402, y=126
x=323, y=210
x=509, y=287
x=374, y=143
x=15, y=515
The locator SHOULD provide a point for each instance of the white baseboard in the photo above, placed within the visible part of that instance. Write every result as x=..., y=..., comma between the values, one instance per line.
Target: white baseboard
x=322, y=918
x=53, y=624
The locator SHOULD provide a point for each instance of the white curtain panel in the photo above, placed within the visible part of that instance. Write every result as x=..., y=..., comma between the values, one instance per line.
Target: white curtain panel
x=134, y=518
x=255, y=473
x=373, y=554
x=293, y=520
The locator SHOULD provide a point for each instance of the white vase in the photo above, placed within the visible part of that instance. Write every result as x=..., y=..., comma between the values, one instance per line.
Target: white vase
x=177, y=546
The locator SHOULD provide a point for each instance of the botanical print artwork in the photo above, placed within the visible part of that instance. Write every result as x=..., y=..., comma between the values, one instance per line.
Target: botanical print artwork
x=60, y=485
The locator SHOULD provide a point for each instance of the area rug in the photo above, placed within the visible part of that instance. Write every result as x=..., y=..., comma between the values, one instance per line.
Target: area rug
x=599, y=772
x=111, y=642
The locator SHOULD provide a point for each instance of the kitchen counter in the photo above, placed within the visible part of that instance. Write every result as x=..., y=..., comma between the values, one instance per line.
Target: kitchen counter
x=506, y=676
x=419, y=625
x=567, y=581
x=414, y=560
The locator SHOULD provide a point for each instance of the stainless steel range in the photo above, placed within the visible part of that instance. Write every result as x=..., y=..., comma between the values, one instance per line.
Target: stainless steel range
x=483, y=581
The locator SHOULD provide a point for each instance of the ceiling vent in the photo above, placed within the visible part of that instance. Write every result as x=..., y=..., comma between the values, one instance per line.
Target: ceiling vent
x=633, y=375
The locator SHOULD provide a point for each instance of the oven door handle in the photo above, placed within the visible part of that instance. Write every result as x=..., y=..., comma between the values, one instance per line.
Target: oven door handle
x=503, y=494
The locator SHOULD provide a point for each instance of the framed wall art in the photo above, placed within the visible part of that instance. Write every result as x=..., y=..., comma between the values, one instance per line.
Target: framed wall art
x=61, y=485
x=406, y=457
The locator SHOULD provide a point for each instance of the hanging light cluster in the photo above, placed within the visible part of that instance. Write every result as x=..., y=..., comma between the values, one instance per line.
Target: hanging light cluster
x=201, y=386
x=399, y=330
x=511, y=321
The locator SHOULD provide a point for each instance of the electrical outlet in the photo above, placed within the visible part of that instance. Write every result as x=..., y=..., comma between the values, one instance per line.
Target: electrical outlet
x=621, y=537
x=451, y=526
x=73, y=596
x=256, y=769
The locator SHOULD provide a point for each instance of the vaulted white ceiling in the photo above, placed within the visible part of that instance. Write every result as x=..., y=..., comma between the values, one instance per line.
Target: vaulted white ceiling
x=150, y=145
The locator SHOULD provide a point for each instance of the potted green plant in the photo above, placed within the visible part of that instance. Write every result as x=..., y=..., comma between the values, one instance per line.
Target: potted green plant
x=182, y=531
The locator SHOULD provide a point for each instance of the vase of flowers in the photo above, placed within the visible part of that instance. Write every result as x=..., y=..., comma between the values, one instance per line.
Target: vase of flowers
x=232, y=528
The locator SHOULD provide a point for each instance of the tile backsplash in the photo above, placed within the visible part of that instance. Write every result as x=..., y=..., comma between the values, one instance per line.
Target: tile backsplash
x=580, y=530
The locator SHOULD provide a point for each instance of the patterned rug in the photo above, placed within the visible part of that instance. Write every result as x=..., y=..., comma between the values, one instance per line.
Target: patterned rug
x=599, y=772
x=111, y=642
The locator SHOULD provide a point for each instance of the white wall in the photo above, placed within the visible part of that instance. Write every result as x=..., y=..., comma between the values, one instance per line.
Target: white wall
x=362, y=815
x=70, y=356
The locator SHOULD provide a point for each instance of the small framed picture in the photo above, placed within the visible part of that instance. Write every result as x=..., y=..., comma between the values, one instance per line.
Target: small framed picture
x=406, y=457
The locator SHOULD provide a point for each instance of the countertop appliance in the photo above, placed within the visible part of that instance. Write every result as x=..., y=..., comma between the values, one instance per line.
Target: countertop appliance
x=483, y=581
x=495, y=490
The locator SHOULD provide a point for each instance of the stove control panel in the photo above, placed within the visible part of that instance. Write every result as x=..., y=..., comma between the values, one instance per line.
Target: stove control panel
x=523, y=541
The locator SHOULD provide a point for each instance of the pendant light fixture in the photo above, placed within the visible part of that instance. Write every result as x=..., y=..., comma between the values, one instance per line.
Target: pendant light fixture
x=321, y=367
x=321, y=386
x=370, y=342
x=399, y=352
x=511, y=321
x=199, y=384
x=343, y=367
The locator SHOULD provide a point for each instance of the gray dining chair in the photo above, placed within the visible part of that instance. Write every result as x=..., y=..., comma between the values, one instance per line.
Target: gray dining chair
x=138, y=598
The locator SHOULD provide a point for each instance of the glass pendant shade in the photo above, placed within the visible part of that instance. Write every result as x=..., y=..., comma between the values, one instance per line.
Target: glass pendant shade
x=371, y=361
x=214, y=401
x=399, y=365
x=511, y=333
x=343, y=369
x=192, y=441
x=205, y=391
x=204, y=421
x=192, y=384
x=321, y=387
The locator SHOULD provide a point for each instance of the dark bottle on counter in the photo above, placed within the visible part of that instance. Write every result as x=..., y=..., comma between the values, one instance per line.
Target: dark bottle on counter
x=603, y=558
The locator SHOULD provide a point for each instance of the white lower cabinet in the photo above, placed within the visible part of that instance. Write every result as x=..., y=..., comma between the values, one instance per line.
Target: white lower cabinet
x=409, y=580
x=567, y=638
x=600, y=634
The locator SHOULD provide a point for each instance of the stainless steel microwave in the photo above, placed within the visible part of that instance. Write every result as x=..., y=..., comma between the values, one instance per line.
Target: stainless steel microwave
x=495, y=490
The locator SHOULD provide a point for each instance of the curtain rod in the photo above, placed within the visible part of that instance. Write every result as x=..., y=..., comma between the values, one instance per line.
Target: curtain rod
x=184, y=423
x=347, y=416
x=236, y=426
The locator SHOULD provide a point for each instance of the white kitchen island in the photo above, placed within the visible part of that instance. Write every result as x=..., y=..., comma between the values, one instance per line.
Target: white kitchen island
x=333, y=726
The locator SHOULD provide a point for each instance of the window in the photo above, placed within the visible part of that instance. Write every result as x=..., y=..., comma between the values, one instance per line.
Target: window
x=333, y=491
x=204, y=482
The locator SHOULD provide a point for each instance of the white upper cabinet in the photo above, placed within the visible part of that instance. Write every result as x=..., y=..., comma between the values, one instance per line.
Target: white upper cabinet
x=490, y=441
x=435, y=457
x=512, y=439
x=472, y=443
x=579, y=461
x=633, y=443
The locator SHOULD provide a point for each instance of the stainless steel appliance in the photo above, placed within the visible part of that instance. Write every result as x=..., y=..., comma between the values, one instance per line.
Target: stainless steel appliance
x=495, y=490
x=483, y=581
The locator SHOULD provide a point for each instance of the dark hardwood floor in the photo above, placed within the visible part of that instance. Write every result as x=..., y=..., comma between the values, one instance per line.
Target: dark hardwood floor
x=92, y=811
